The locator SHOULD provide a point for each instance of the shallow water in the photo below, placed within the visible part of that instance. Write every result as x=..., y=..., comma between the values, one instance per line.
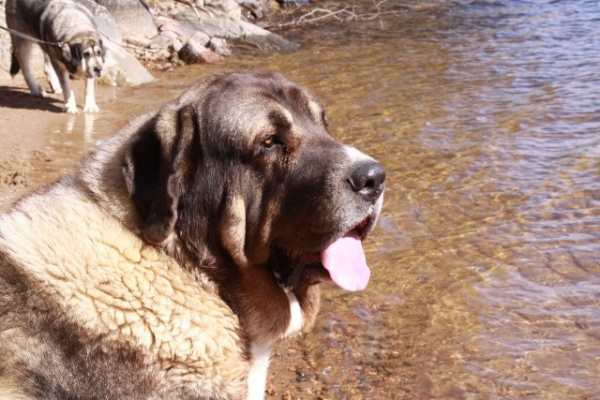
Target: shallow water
x=485, y=274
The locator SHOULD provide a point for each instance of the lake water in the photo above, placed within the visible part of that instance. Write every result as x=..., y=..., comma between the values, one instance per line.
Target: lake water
x=485, y=268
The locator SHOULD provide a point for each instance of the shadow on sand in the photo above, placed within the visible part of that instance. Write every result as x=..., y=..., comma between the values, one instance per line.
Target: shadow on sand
x=14, y=97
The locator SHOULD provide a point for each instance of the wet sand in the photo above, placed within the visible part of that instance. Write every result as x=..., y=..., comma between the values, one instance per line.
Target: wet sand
x=22, y=127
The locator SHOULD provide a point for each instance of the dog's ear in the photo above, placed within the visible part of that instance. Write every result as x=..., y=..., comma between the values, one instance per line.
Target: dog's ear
x=102, y=50
x=72, y=55
x=66, y=53
x=154, y=169
x=76, y=53
x=233, y=228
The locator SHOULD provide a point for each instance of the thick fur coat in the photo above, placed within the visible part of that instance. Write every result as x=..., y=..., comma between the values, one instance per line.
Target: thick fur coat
x=182, y=248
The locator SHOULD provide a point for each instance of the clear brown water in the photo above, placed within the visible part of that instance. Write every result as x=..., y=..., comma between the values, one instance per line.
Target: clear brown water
x=486, y=280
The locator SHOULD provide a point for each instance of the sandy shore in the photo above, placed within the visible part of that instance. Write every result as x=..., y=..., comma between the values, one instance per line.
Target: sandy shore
x=22, y=129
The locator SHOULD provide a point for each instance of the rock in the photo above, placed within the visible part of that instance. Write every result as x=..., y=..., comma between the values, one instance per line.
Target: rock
x=236, y=29
x=132, y=17
x=223, y=27
x=254, y=8
x=195, y=50
x=160, y=42
x=265, y=40
x=293, y=3
x=229, y=8
x=209, y=56
x=200, y=38
x=170, y=34
x=177, y=45
x=139, y=41
x=220, y=46
x=121, y=68
x=166, y=24
x=104, y=20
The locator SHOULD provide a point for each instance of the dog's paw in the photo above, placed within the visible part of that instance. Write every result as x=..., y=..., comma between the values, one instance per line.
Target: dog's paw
x=71, y=109
x=38, y=91
x=91, y=107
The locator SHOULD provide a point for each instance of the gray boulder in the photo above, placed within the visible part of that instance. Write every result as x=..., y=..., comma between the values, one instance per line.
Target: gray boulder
x=195, y=50
x=233, y=28
x=132, y=17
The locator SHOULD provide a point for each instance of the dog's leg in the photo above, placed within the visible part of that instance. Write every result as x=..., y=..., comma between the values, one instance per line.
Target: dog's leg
x=65, y=82
x=23, y=54
x=90, y=98
x=51, y=75
x=257, y=380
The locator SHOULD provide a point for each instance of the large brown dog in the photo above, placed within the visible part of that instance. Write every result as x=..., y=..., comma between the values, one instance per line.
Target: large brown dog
x=183, y=248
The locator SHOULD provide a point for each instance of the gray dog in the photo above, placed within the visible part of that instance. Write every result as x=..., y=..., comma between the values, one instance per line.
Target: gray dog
x=71, y=43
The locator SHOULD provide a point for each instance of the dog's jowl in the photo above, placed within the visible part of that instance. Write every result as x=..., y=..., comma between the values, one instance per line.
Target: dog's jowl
x=168, y=264
x=71, y=43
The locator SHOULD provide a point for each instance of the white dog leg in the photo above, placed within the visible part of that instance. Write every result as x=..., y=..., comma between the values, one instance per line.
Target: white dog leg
x=51, y=75
x=257, y=380
x=90, y=98
x=70, y=105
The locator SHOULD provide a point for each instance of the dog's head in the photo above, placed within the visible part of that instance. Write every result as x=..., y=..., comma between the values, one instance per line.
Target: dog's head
x=84, y=57
x=246, y=170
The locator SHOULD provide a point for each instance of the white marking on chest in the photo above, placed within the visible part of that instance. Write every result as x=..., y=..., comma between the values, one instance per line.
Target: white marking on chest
x=257, y=380
x=261, y=353
x=296, y=319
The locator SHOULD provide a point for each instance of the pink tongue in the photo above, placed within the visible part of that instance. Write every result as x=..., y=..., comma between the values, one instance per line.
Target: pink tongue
x=346, y=262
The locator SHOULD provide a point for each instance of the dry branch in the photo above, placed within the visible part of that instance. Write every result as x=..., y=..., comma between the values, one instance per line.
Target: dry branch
x=347, y=13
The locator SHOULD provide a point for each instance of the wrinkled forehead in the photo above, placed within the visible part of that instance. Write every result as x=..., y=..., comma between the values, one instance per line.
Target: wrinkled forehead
x=252, y=104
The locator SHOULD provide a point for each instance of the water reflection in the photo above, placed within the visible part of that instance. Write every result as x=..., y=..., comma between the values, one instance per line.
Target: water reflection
x=486, y=282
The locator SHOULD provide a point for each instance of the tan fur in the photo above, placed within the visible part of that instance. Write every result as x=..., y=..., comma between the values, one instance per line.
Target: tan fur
x=233, y=229
x=140, y=295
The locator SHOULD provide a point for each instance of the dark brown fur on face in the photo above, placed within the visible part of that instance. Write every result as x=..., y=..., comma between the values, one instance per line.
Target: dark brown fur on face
x=228, y=194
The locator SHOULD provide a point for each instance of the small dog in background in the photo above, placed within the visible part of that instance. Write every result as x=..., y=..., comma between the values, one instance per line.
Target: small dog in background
x=70, y=41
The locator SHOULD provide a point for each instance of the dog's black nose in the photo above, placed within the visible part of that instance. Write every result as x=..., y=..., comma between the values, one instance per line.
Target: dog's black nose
x=97, y=70
x=367, y=180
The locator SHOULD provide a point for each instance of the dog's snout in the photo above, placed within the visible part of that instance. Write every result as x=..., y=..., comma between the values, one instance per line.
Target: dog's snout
x=367, y=180
x=98, y=70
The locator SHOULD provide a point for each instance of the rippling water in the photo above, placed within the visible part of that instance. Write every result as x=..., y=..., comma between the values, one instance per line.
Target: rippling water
x=486, y=280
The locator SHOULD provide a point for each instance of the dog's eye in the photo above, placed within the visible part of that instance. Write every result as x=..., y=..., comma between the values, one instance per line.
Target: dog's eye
x=272, y=142
x=269, y=142
x=86, y=54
